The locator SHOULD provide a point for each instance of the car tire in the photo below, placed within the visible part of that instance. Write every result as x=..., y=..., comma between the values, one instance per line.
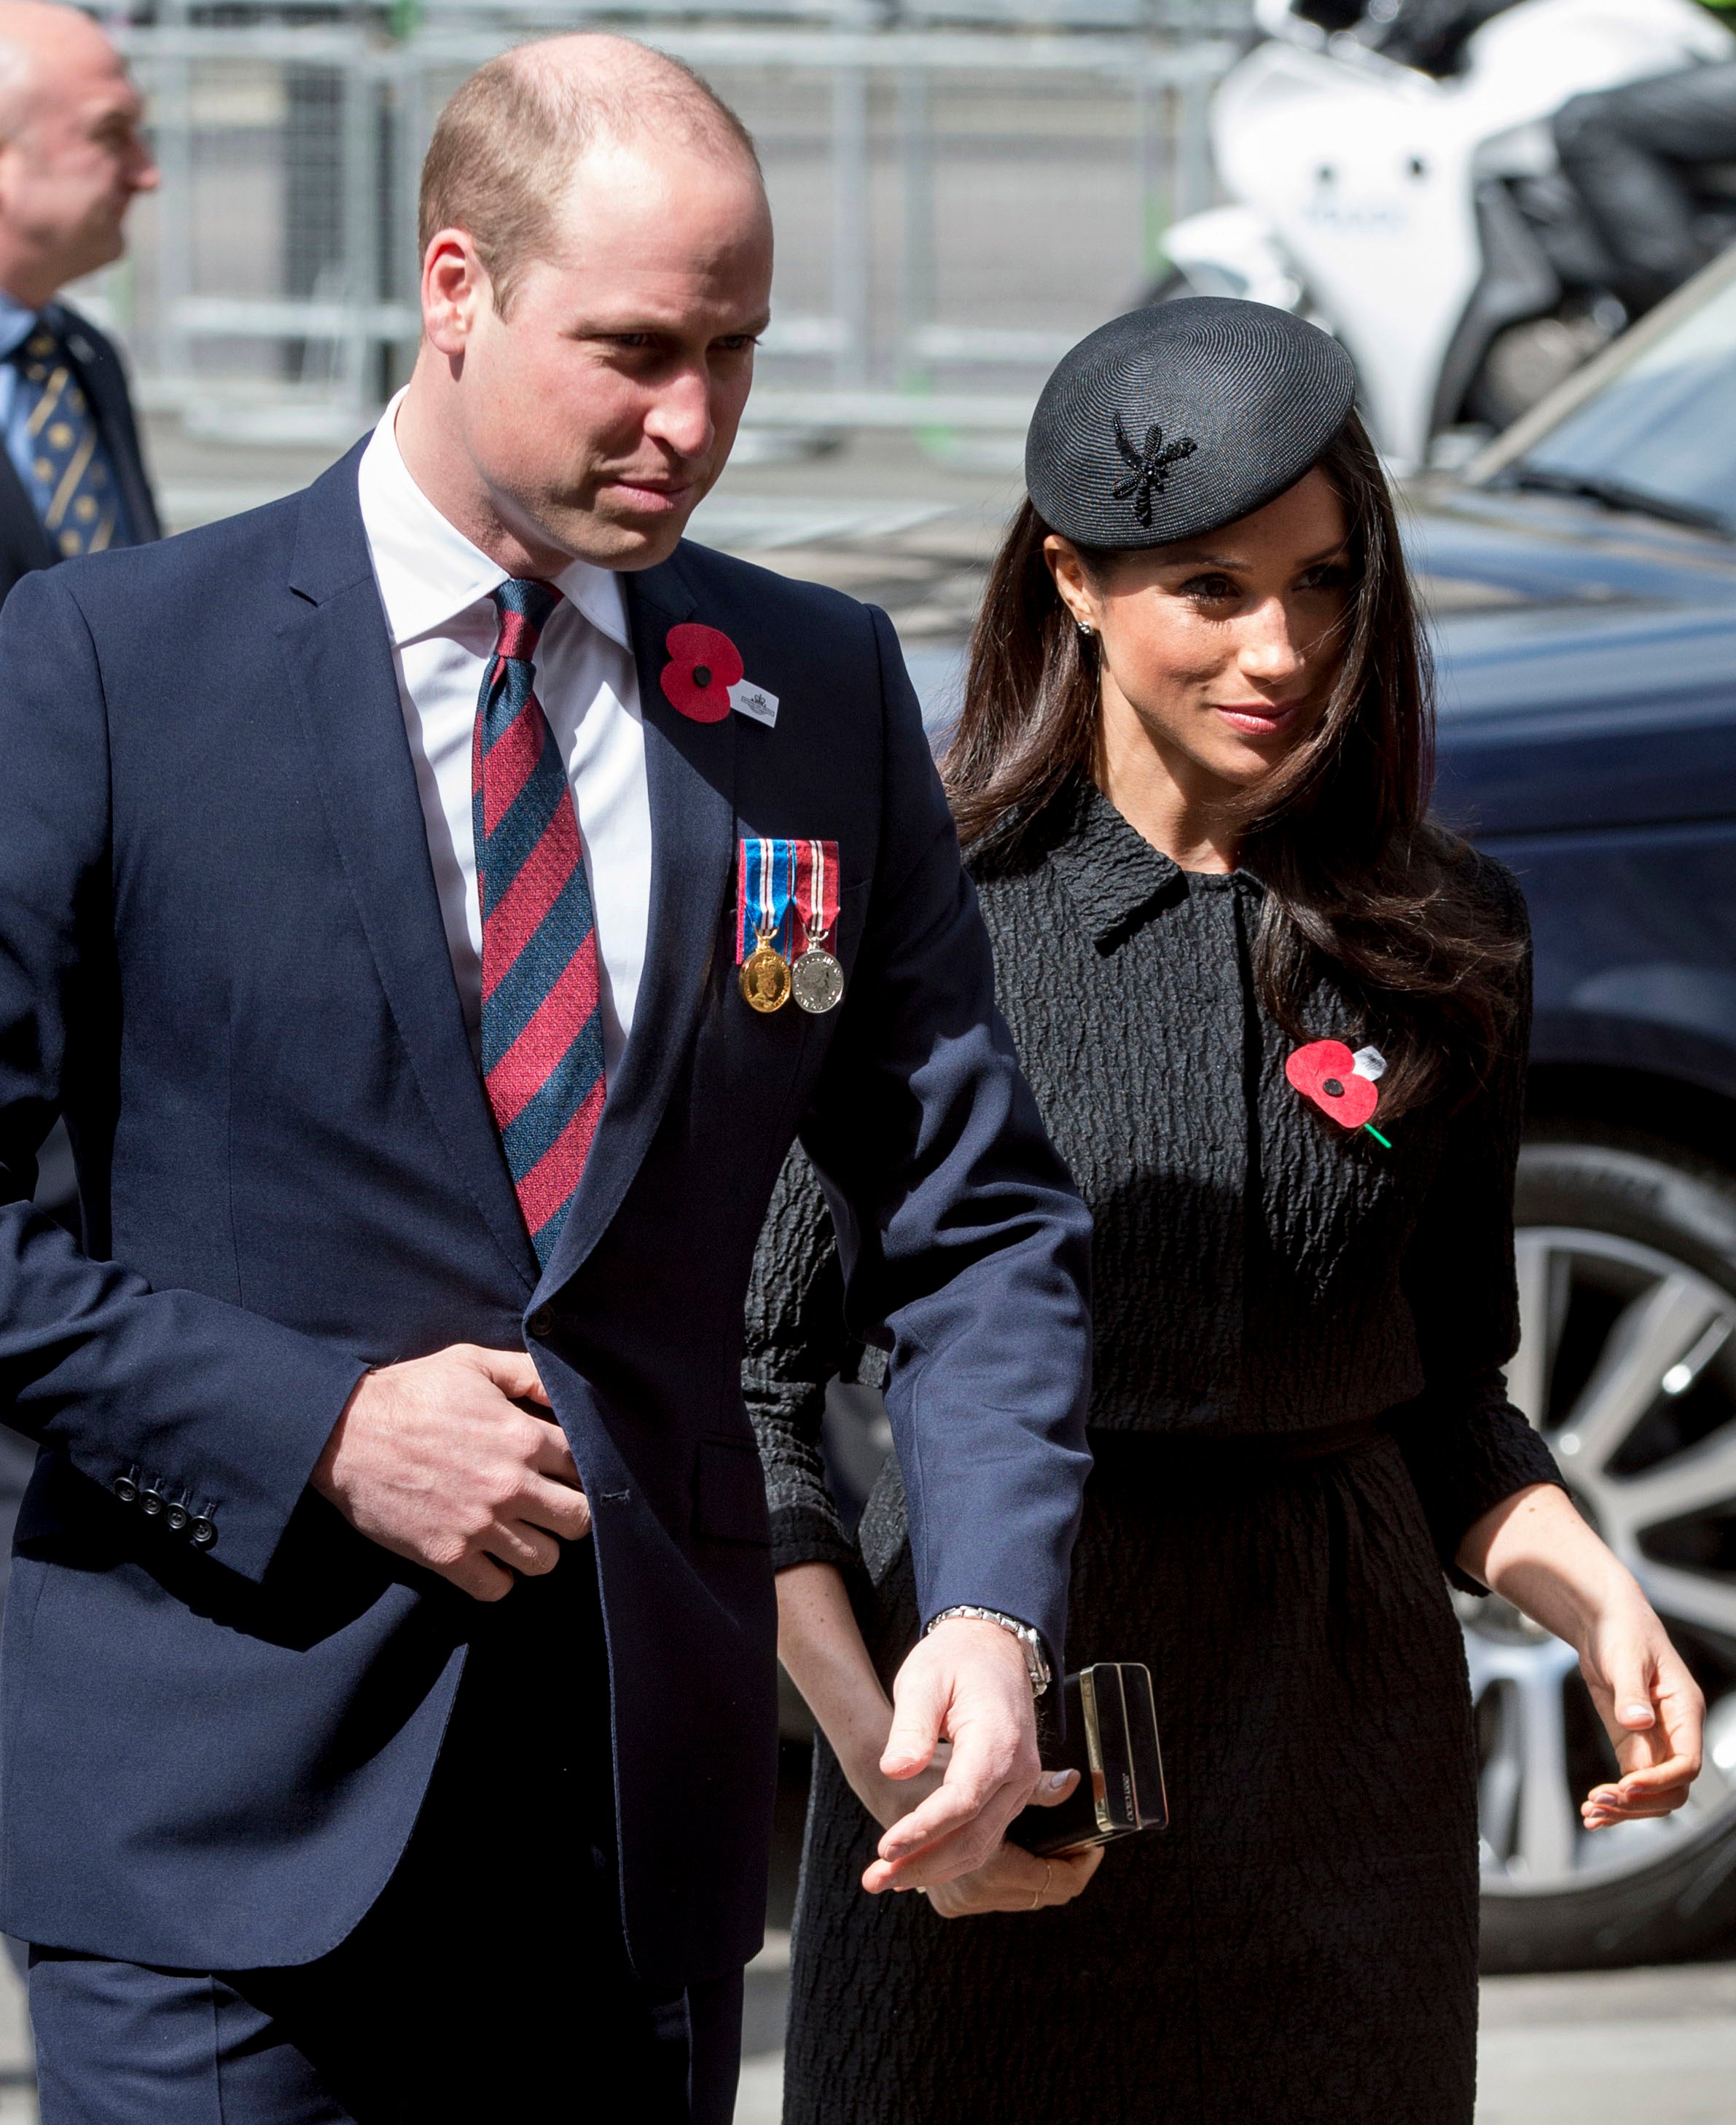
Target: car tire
x=1605, y=1204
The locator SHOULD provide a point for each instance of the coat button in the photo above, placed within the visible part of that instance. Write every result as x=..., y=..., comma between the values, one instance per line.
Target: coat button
x=151, y=1502
x=126, y=1490
x=176, y=1518
x=542, y=1322
x=203, y=1532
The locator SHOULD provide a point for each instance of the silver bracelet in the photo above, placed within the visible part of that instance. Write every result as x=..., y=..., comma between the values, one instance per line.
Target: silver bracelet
x=1036, y=1660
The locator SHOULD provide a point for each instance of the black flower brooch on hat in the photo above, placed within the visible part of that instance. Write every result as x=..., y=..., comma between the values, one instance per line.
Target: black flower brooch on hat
x=1149, y=472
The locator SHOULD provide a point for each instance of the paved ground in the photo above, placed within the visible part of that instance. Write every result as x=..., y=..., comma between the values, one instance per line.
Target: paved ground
x=1609, y=2048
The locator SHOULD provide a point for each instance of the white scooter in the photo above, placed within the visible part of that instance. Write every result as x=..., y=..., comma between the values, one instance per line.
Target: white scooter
x=1425, y=222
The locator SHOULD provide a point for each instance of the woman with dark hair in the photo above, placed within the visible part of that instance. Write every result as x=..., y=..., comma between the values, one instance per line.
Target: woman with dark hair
x=1276, y=1019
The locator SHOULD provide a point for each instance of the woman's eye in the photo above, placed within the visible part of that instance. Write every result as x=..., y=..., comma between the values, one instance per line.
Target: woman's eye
x=1330, y=576
x=1211, y=589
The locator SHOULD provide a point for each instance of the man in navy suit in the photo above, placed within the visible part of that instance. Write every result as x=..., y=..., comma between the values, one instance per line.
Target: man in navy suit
x=388, y=1715
x=72, y=160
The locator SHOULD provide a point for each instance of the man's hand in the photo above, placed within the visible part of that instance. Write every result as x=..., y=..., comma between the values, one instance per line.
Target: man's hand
x=965, y=1682
x=433, y=1460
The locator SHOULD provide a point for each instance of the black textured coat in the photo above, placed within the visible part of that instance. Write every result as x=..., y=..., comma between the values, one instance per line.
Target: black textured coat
x=1300, y=1945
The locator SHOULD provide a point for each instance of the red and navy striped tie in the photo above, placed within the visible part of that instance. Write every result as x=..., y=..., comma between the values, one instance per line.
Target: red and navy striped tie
x=542, y=1039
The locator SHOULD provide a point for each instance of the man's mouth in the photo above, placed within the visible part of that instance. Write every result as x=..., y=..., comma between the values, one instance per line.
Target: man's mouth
x=653, y=497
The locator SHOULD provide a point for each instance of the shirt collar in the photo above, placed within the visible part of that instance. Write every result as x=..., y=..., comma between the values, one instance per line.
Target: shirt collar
x=429, y=573
x=16, y=323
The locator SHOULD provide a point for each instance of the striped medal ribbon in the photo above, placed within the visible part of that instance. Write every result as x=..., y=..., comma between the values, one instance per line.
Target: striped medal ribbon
x=817, y=980
x=765, y=889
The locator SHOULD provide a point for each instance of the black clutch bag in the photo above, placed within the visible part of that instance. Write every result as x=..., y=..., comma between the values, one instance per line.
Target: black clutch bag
x=1112, y=1743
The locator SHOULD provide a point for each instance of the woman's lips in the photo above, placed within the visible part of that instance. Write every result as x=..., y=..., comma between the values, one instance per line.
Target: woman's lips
x=1257, y=718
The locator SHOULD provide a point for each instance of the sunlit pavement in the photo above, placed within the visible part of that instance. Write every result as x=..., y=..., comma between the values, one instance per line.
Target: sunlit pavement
x=1611, y=2047
x=1615, y=2048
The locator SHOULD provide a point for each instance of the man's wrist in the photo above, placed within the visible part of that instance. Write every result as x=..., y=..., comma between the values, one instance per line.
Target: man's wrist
x=1036, y=1659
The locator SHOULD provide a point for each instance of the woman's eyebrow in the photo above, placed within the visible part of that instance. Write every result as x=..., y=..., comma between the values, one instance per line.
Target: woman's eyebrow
x=1191, y=557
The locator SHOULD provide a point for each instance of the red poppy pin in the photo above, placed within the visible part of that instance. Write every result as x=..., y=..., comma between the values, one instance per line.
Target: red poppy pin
x=704, y=664
x=1340, y=1083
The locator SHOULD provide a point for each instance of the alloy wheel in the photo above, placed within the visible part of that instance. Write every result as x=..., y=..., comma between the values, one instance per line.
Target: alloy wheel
x=1627, y=1363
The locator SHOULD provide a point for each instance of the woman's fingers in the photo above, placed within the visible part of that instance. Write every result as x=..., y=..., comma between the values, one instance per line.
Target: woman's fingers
x=1655, y=1713
x=1015, y=1880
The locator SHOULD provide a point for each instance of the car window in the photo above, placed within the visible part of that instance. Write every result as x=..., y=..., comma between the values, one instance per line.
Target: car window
x=1662, y=426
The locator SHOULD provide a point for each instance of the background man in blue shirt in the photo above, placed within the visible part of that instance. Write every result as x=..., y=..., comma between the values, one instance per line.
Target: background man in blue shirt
x=72, y=160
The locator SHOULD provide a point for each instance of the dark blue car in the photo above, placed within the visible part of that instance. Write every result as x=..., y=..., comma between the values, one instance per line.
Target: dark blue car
x=1582, y=580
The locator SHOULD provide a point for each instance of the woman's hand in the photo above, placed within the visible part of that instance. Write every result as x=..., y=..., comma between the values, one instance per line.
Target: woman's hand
x=1652, y=1709
x=1015, y=1880
x=1534, y=1551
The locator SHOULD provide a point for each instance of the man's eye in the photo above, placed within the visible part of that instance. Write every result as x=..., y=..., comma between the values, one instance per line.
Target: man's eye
x=737, y=343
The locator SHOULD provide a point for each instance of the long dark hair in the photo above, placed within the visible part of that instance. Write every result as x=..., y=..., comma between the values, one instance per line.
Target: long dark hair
x=1362, y=888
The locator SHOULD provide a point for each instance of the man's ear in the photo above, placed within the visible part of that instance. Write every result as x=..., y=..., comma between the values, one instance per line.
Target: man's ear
x=455, y=290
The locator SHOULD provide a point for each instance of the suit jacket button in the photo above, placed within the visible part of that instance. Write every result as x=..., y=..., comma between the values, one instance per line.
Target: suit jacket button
x=542, y=1322
x=151, y=1502
x=126, y=1490
x=203, y=1532
x=176, y=1518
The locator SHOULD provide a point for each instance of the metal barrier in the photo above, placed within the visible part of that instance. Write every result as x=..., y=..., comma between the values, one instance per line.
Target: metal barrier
x=960, y=187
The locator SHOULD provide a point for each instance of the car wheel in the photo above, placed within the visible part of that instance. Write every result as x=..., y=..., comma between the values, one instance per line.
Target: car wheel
x=1627, y=1363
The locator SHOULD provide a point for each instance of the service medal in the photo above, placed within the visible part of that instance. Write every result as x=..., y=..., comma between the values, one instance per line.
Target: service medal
x=765, y=979
x=817, y=978
x=766, y=886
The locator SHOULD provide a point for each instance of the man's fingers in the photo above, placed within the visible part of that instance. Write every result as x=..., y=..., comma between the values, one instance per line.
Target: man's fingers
x=526, y=1548
x=513, y=1372
x=558, y=1507
x=553, y=1456
x=478, y=1576
x=918, y=1706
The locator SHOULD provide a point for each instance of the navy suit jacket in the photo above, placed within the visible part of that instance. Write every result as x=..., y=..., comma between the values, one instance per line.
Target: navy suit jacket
x=221, y=954
x=24, y=546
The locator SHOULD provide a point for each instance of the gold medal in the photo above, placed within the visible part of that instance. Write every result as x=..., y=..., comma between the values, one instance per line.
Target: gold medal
x=764, y=979
x=817, y=980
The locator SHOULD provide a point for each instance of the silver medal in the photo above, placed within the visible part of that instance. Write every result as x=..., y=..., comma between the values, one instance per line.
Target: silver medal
x=817, y=980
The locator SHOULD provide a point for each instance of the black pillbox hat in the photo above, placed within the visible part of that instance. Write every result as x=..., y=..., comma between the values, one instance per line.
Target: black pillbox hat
x=1181, y=417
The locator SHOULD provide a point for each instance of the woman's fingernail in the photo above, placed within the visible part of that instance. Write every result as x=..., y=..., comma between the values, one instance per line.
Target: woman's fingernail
x=1638, y=1712
x=1057, y=1780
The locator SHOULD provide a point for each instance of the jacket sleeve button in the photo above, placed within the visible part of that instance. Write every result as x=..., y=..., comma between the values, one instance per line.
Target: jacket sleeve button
x=542, y=1322
x=176, y=1518
x=151, y=1502
x=126, y=1490
x=203, y=1531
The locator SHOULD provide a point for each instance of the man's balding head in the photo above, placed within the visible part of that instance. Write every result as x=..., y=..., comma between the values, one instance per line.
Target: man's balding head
x=71, y=157
x=506, y=150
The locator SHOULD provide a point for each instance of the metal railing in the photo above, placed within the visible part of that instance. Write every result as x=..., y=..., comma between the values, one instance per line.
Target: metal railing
x=960, y=187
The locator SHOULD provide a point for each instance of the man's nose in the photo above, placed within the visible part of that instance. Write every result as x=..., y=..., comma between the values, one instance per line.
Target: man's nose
x=682, y=416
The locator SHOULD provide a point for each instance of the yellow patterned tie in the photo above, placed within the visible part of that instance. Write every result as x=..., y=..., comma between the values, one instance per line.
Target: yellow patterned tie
x=72, y=479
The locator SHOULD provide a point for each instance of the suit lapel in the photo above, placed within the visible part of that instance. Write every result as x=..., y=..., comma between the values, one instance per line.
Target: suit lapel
x=341, y=669
x=21, y=534
x=690, y=769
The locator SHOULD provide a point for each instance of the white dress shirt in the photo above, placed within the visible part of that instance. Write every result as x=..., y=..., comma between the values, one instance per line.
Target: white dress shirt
x=434, y=586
